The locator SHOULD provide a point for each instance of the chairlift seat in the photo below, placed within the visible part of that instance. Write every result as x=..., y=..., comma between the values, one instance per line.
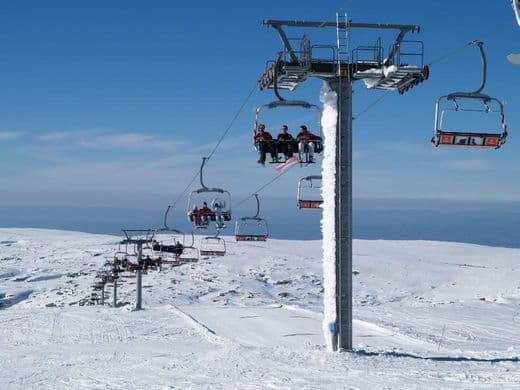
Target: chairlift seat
x=251, y=237
x=212, y=252
x=309, y=204
x=212, y=246
x=318, y=149
x=469, y=140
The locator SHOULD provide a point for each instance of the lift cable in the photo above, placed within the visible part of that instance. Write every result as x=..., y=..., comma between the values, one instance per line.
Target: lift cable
x=233, y=120
x=439, y=59
x=375, y=102
x=197, y=173
x=165, y=219
x=263, y=187
x=466, y=45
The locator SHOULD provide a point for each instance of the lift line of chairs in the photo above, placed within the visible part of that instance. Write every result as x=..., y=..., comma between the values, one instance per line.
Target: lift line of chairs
x=165, y=248
x=172, y=246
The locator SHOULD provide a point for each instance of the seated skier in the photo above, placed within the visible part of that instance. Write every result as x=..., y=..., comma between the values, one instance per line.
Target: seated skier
x=265, y=144
x=219, y=218
x=176, y=249
x=285, y=143
x=307, y=143
x=195, y=216
x=205, y=215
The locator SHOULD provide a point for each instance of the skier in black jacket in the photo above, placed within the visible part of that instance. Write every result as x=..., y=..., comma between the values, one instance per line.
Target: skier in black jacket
x=285, y=143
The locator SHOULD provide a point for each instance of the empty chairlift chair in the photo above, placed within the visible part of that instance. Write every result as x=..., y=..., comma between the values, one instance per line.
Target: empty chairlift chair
x=485, y=111
x=252, y=228
x=309, y=192
x=212, y=246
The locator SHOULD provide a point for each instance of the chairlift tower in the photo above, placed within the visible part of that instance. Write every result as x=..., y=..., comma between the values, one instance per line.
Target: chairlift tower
x=340, y=70
x=138, y=238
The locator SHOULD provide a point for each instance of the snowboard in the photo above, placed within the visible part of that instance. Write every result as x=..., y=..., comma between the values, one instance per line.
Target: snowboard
x=514, y=58
x=290, y=162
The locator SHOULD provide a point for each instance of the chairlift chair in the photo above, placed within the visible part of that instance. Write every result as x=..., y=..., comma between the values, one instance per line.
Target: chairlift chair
x=459, y=102
x=121, y=259
x=211, y=196
x=290, y=103
x=166, y=244
x=148, y=251
x=309, y=192
x=124, y=261
x=212, y=246
x=252, y=228
x=121, y=254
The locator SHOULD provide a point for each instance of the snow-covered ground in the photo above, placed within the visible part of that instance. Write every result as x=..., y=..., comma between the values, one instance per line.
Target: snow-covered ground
x=427, y=315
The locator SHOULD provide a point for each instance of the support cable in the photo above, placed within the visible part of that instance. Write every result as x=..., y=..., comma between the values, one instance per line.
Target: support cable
x=165, y=219
x=374, y=103
x=233, y=121
x=264, y=186
x=466, y=45
x=220, y=140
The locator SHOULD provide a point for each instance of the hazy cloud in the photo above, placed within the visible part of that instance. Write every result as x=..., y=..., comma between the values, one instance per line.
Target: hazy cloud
x=128, y=141
x=54, y=136
x=468, y=164
x=9, y=135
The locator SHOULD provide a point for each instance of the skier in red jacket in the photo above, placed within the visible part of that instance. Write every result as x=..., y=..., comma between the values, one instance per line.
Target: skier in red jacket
x=265, y=144
x=205, y=214
x=306, y=143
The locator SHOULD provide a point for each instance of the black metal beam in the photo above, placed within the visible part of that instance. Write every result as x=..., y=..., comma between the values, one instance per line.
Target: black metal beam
x=382, y=26
x=286, y=43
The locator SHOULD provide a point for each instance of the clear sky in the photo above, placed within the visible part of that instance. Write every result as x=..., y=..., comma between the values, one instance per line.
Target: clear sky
x=115, y=103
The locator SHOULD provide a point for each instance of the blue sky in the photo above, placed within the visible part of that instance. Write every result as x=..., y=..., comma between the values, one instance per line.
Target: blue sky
x=115, y=105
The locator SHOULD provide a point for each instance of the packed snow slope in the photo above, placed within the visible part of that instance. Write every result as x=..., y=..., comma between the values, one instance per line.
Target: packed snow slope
x=427, y=315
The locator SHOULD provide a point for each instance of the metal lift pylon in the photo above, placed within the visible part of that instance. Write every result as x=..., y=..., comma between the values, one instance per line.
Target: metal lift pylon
x=138, y=238
x=292, y=67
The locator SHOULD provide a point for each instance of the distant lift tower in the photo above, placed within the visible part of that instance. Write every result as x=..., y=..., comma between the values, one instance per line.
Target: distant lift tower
x=401, y=68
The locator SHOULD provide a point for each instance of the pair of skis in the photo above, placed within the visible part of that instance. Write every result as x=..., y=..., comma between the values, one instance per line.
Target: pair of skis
x=287, y=164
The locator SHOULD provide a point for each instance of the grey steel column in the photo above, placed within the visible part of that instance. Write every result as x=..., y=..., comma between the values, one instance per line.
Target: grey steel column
x=138, y=305
x=343, y=221
x=114, y=298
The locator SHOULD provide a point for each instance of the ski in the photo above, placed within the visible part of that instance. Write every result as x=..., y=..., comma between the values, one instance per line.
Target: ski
x=290, y=162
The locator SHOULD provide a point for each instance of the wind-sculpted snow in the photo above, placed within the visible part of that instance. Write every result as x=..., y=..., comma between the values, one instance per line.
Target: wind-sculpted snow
x=328, y=171
x=426, y=315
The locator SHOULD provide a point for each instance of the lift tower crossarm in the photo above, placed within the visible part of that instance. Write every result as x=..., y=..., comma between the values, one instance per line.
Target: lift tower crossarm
x=380, y=26
x=292, y=67
x=278, y=24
